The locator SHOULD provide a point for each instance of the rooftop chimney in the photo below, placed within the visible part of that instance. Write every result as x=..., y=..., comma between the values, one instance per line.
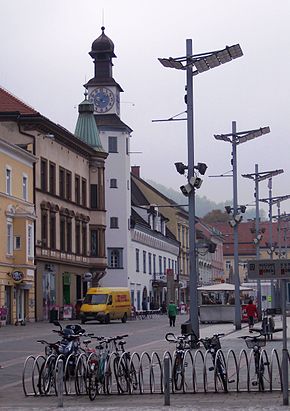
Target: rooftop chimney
x=135, y=170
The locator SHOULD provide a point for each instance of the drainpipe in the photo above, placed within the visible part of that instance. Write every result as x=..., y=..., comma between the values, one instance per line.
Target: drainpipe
x=34, y=225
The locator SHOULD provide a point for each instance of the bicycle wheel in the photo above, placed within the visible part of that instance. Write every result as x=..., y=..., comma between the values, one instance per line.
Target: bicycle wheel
x=46, y=376
x=81, y=376
x=260, y=377
x=133, y=377
x=92, y=387
x=108, y=378
x=221, y=374
x=177, y=374
x=121, y=376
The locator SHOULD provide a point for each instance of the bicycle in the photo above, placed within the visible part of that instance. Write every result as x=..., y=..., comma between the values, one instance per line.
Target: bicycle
x=124, y=370
x=212, y=344
x=255, y=343
x=182, y=345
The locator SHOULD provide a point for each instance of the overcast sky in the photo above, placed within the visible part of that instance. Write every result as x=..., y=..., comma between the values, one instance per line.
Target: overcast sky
x=44, y=61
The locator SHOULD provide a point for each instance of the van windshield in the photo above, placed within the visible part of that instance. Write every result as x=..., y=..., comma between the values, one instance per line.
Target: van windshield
x=95, y=299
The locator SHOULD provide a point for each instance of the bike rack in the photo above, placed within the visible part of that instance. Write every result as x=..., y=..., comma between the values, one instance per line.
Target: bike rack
x=150, y=372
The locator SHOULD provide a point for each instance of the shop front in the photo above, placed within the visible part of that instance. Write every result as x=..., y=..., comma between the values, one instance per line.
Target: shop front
x=17, y=297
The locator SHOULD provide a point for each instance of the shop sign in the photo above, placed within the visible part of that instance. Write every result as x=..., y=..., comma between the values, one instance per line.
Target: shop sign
x=17, y=276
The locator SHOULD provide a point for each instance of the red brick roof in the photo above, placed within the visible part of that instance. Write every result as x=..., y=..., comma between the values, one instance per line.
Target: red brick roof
x=10, y=103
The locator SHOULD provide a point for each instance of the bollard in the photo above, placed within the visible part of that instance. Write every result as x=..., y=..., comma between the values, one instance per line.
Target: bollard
x=59, y=383
x=166, y=381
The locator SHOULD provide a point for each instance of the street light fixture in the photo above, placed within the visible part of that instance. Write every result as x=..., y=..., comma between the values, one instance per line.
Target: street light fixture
x=236, y=138
x=258, y=177
x=201, y=62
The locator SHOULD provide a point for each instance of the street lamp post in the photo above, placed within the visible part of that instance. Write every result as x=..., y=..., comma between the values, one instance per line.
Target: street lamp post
x=257, y=177
x=236, y=138
x=200, y=62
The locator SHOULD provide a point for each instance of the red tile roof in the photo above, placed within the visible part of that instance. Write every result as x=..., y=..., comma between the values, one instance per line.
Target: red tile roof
x=247, y=235
x=10, y=103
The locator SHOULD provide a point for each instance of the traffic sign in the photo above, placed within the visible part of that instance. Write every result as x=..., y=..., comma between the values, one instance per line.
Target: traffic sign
x=268, y=269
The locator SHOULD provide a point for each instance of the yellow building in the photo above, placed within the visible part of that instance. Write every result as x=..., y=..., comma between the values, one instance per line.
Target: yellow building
x=17, y=216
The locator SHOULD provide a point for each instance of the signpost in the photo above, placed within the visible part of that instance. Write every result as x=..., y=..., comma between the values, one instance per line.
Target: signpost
x=279, y=270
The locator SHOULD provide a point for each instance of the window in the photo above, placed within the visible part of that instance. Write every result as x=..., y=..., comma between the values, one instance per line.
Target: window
x=17, y=242
x=52, y=177
x=228, y=265
x=113, y=183
x=52, y=230
x=68, y=235
x=164, y=265
x=84, y=192
x=43, y=174
x=144, y=261
x=68, y=185
x=154, y=264
x=94, y=196
x=30, y=251
x=94, y=243
x=137, y=260
x=44, y=228
x=25, y=187
x=62, y=233
x=78, y=237
x=84, y=238
x=61, y=182
x=150, y=263
x=113, y=145
x=9, y=238
x=8, y=181
x=115, y=257
x=160, y=265
x=77, y=189
x=114, y=222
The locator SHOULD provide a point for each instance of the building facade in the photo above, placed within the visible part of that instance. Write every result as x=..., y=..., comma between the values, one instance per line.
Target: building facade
x=69, y=203
x=17, y=218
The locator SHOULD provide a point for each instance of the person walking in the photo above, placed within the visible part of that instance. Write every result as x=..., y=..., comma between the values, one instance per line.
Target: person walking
x=172, y=311
x=252, y=312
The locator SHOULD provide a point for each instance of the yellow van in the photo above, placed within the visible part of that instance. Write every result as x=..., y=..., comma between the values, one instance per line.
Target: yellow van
x=106, y=304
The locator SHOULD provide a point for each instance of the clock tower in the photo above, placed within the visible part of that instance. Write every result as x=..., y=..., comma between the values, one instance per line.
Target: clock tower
x=104, y=94
x=104, y=91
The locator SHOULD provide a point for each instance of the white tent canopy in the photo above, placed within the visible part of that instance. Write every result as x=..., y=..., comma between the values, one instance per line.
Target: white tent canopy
x=222, y=287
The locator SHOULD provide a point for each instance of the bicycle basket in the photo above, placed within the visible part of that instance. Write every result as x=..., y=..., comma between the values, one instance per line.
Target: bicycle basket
x=252, y=343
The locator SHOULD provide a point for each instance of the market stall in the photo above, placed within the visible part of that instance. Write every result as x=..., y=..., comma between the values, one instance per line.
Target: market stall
x=217, y=302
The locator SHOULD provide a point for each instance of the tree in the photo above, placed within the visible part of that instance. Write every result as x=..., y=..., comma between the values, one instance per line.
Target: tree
x=216, y=216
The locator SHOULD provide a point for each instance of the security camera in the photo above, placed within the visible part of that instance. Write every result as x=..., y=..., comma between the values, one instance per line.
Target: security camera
x=228, y=209
x=201, y=167
x=238, y=218
x=243, y=208
x=180, y=167
x=232, y=223
x=198, y=182
x=186, y=189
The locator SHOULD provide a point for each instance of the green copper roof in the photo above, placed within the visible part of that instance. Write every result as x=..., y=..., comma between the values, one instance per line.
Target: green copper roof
x=86, y=128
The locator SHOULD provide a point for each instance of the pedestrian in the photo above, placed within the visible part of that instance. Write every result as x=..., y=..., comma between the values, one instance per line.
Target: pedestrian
x=172, y=311
x=251, y=310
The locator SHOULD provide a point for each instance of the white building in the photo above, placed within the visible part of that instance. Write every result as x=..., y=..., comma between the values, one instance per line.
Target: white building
x=104, y=93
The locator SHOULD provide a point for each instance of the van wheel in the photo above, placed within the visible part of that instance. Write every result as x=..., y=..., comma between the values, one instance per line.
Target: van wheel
x=124, y=318
x=107, y=319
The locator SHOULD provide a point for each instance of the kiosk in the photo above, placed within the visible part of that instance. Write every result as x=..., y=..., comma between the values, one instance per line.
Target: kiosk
x=218, y=302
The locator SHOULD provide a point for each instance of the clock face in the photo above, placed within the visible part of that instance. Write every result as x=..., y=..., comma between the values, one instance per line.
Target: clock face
x=103, y=99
